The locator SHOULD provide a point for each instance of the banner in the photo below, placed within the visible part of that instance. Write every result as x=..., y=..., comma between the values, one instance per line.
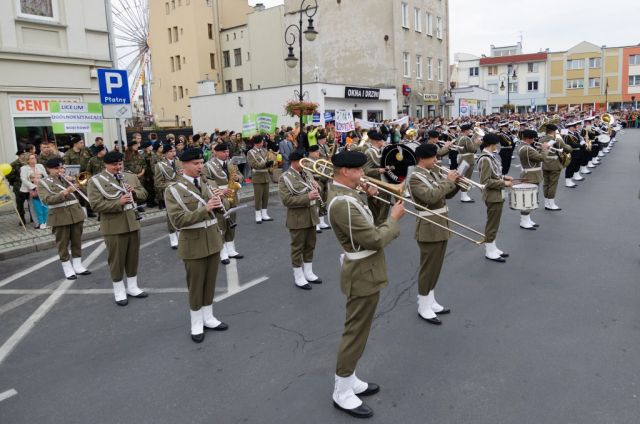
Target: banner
x=249, y=127
x=366, y=124
x=344, y=121
x=328, y=117
x=76, y=117
x=266, y=123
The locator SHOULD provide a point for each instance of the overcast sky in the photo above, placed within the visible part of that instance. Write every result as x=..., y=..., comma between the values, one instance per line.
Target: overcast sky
x=553, y=24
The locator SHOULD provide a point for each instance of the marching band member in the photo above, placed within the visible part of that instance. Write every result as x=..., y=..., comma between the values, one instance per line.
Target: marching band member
x=363, y=274
x=113, y=195
x=373, y=168
x=191, y=202
x=585, y=148
x=574, y=141
x=166, y=171
x=300, y=196
x=493, y=180
x=257, y=160
x=466, y=152
x=506, y=147
x=66, y=217
x=593, y=146
x=433, y=137
x=552, y=167
x=531, y=161
x=453, y=152
x=219, y=169
x=428, y=188
x=323, y=188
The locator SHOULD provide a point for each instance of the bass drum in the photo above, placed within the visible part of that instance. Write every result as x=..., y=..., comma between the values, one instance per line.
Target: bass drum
x=398, y=160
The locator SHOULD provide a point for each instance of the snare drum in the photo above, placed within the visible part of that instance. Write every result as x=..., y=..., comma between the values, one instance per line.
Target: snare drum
x=604, y=138
x=523, y=197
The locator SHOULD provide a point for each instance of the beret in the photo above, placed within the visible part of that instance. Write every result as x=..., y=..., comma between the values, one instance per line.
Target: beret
x=221, y=147
x=465, y=127
x=167, y=147
x=490, y=139
x=191, y=154
x=131, y=143
x=347, y=159
x=54, y=163
x=551, y=127
x=426, y=150
x=433, y=134
x=146, y=144
x=76, y=139
x=313, y=148
x=530, y=133
x=294, y=156
x=113, y=157
x=375, y=135
x=99, y=148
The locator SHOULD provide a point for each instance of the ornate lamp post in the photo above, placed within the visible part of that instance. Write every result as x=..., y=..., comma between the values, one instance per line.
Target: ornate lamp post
x=509, y=77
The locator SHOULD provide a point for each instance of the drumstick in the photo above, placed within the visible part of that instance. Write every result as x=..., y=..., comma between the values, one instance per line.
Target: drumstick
x=522, y=180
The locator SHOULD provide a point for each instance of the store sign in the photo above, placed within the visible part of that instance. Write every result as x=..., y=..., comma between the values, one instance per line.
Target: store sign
x=406, y=90
x=431, y=98
x=34, y=106
x=361, y=93
x=76, y=117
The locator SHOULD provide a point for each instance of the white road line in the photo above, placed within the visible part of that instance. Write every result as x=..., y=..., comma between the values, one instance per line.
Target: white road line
x=39, y=265
x=241, y=288
x=87, y=291
x=42, y=310
x=233, y=281
x=6, y=395
x=150, y=242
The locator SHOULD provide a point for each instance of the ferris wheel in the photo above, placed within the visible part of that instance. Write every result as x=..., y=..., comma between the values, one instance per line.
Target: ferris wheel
x=131, y=27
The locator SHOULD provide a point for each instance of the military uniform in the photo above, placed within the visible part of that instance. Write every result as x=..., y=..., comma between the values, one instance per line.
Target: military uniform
x=95, y=165
x=148, y=177
x=71, y=157
x=491, y=178
x=199, y=247
x=551, y=169
x=43, y=159
x=428, y=188
x=257, y=160
x=135, y=164
x=302, y=218
x=66, y=219
x=531, y=161
x=166, y=173
x=120, y=229
x=379, y=208
x=467, y=153
x=573, y=140
x=506, y=151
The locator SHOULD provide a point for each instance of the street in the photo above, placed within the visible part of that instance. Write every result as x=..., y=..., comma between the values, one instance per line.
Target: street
x=552, y=336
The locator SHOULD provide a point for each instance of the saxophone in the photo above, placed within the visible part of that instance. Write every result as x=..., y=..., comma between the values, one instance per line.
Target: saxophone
x=233, y=186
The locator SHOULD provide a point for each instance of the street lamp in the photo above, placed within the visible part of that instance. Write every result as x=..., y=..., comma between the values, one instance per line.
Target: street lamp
x=509, y=77
x=294, y=32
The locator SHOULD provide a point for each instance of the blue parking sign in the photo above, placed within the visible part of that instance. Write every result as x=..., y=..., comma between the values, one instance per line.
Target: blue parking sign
x=114, y=87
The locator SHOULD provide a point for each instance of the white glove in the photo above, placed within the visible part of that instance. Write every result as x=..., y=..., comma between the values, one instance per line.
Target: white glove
x=582, y=142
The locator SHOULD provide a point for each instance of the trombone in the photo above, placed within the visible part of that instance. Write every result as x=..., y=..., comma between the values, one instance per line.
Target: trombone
x=463, y=182
x=324, y=168
x=76, y=188
x=538, y=145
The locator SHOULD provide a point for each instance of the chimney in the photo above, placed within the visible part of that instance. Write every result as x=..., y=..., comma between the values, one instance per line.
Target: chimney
x=259, y=7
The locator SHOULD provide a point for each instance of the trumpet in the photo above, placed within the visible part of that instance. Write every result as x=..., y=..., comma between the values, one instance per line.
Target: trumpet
x=451, y=146
x=325, y=168
x=538, y=145
x=463, y=182
x=77, y=190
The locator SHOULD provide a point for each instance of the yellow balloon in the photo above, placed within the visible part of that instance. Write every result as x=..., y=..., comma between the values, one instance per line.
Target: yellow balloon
x=5, y=168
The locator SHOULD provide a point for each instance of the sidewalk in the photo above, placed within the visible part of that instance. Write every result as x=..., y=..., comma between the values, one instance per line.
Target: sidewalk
x=15, y=241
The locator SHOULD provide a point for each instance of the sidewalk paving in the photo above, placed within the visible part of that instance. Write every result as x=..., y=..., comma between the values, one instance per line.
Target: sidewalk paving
x=15, y=241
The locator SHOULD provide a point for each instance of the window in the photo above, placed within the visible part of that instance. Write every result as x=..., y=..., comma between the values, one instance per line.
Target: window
x=177, y=61
x=513, y=87
x=212, y=60
x=175, y=34
x=418, y=66
x=210, y=31
x=439, y=27
x=175, y=93
x=634, y=59
x=492, y=70
x=173, y=4
x=595, y=62
x=169, y=33
x=594, y=82
x=237, y=57
x=405, y=15
x=43, y=9
x=634, y=80
x=575, y=64
x=417, y=18
x=166, y=8
x=532, y=67
x=429, y=24
x=173, y=67
x=186, y=92
x=532, y=86
x=430, y=68
x=575, y=83
x=239, y=84
x=474, y=72
x=406, y=65
x=248, y=56
x=180, y=92
x=440, y=71
x=226, y=59
x=228, y=86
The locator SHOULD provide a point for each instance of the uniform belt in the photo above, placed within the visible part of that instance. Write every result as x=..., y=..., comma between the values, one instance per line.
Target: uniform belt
x=434, y=211
x=506, y=147
x=223, y=187
x=128, y=207
x=311, y=203
x=63, y=204
x=204, y=224
x=538, y=168
x=260, y=170
x=354, y=256
x=466, y=154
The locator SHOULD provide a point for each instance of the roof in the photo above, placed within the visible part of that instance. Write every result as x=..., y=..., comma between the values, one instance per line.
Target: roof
x=499, y=60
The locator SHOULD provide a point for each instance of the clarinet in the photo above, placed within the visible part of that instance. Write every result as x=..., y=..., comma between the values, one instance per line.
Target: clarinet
x=120, y=178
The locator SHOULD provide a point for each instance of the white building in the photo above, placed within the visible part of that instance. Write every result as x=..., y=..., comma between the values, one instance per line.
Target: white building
x=470, y=101
x=49, y=51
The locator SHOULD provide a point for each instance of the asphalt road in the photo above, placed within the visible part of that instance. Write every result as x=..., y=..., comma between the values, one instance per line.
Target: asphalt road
x=552, y=336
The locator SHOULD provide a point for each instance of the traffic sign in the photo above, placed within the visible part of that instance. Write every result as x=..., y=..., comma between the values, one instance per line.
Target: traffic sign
x=114, y=87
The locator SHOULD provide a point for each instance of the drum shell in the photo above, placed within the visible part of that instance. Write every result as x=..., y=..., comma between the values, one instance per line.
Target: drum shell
x=523, y=197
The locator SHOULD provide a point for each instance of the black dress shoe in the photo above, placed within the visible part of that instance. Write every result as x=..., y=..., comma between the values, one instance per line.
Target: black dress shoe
x=554, y=210
x=225, y=261
x=528, y=228
x=434, y=321
x=221, y=327
x=87, y=272
x=198, y=338
x=445, y=311
x=258, y=222
x=142, y=295
x=238, y=256
x=123, y=302
x=501, y=259
x=270, y=219
x=362, y=411
x=72, y=277
x=319, y=231
x=316, y=281
x=174, y=247
x=536, y=225
x=504, y=255
x=372, y=388
x=305, y=287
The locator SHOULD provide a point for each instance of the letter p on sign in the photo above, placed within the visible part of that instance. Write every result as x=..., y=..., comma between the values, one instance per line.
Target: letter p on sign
x=113, y=81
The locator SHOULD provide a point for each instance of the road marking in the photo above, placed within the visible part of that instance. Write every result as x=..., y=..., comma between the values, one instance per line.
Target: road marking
x=42, y=310
x=39, y=265
x=233, y=281
x=6, y=395
x=241, y=288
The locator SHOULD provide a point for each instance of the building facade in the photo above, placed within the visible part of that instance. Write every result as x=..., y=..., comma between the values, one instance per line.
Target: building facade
x=49, y=51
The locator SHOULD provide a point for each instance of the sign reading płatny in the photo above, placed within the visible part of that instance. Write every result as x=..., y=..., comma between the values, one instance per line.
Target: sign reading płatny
x=76, y=117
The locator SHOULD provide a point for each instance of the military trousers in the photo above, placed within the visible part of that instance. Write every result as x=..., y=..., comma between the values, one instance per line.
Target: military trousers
x=505, y=159
x=170, y=226
x=431, y=260
x=201, y=280
x=357, y=325
x=229, y=230
x=122, y=254
x=379, y=209
x=261, y=195
x=550, y=184
x=469, y=173
x=303, y=243
x=66, y=234
x=494, y=213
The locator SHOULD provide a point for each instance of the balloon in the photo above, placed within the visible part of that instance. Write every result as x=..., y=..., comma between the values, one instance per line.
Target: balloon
x=5, y=168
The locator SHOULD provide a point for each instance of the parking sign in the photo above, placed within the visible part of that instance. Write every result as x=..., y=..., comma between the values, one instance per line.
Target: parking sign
x=114, y=93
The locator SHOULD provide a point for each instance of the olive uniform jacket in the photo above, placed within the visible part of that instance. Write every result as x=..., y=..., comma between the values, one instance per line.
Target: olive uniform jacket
x=429, y=189
x=552, y=161
x=257, y=160
x=352, y=223
x=186, y=206
x=371, y=168
x=104, y=193
x=467, y=150
x=71, y=157
x=294, y=189
x=491, y=177
x=62, y=210
x=164, y=174
x=214, y=170
x=531, y=161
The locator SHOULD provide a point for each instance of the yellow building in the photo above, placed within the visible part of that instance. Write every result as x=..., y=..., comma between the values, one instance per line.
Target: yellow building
x=585, y=77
